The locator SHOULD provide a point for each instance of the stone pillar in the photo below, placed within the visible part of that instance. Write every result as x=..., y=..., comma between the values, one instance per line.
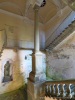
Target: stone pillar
x=37, y=77
x=37, y=73
x=36, y=29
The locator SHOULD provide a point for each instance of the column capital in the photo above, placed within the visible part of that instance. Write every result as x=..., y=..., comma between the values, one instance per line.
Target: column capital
x=36, y=7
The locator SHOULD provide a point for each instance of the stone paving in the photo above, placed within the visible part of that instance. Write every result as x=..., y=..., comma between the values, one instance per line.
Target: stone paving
x=19, y=94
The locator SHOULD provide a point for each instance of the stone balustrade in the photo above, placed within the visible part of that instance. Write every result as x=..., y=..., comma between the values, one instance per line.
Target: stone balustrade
x=64, y=90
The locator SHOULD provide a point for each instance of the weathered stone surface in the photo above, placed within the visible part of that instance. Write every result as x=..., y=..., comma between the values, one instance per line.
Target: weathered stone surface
x=35, y=90
x=61, y=61
x=38, y=67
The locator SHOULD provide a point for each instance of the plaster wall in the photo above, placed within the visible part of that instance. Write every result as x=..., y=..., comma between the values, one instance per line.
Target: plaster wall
x=19, y=30
x=61, y=61
x=20, y=67
x=55, y=22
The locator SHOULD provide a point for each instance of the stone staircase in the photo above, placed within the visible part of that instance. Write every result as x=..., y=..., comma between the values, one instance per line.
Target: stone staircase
x=66, y=32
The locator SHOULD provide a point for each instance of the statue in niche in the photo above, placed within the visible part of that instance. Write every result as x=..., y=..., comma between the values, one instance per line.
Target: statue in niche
x=7, y=76
x=7, y=69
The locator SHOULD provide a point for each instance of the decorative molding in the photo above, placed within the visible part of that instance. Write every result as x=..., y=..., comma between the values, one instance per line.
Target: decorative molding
x=20, y=48
x=15, y=15
x=25, y=19
x=58, y=3
x=20, y=43
x=64, y=40
x=70, y=3
x=58, y=14
x=61, y=37
x=8, y=3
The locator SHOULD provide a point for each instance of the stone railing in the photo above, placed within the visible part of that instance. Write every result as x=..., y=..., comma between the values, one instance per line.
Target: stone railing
x=67, y=31
x=64, y=90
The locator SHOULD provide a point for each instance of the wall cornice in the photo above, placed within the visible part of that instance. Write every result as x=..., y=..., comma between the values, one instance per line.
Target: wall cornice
x=25, y=19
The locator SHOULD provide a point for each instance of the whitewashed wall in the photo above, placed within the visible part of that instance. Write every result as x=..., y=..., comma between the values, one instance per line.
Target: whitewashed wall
x=20, y=31
x=61, y=61
x=21, y=66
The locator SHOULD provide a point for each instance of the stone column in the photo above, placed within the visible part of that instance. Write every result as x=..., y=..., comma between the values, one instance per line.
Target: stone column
x=37, y=77
x=37, y=73
x=36, y=29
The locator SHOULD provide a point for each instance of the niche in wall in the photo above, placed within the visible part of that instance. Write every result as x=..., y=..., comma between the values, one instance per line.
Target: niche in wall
x=7, y=71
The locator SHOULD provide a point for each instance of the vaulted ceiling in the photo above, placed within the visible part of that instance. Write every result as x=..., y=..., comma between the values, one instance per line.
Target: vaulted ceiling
x=22, y=8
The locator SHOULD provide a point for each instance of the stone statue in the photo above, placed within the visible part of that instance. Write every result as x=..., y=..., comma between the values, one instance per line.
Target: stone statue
x=7, y=76
x=7, y=69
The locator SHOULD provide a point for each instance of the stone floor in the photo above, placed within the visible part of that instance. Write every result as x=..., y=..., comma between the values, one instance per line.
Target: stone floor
x=19, y=94
x=47, y=98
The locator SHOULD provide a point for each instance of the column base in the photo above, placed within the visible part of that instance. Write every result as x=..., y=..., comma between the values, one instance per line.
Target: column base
x=35, y=91
x=38, y=69
x=37, y=77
